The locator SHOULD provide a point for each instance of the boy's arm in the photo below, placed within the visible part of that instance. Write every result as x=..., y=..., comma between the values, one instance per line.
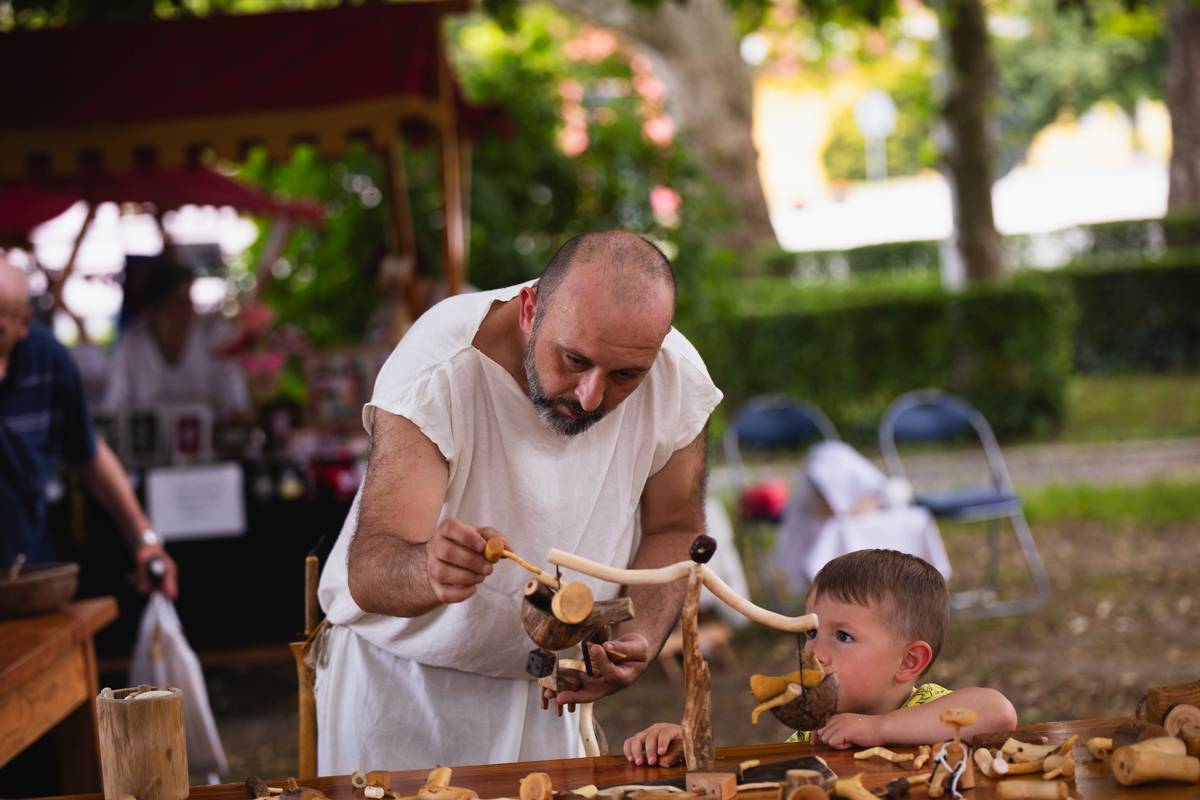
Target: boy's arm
x=920, y=724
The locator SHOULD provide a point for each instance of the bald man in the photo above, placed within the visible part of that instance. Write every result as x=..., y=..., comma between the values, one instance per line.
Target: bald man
x=44, y=420
x=565, y=412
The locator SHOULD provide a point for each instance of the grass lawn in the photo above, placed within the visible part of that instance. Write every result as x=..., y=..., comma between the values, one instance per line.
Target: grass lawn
x=1114, y=407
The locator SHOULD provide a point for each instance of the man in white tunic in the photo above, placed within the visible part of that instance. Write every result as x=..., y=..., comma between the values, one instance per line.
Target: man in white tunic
x=563, y=413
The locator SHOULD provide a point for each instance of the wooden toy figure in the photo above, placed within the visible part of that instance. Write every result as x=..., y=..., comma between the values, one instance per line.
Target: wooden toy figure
x=697, y=716
x=953, y=769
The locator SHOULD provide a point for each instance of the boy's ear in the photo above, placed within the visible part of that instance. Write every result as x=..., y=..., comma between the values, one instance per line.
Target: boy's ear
x=915, y=659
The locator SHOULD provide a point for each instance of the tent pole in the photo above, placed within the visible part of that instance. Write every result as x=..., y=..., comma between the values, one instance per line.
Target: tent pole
x=451, y=176
x=56, y=285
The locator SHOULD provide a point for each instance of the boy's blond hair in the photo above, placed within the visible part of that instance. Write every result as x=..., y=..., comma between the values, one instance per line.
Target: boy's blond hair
x=910, y=594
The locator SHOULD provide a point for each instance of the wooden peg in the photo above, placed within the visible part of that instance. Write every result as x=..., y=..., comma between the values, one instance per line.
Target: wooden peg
x=923, y=753
x=1065, y=769
x=1132, y=766
x=1183, y=721
x=1019, y=752
x=496, y=548
x=1100, y=747
x=373, y=792
x=439, y=776
x=1032, y=790
x=958, y=718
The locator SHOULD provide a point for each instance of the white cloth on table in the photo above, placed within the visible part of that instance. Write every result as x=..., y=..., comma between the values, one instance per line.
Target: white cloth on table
x=140, y=378
x=836, y=473
x=540, y=489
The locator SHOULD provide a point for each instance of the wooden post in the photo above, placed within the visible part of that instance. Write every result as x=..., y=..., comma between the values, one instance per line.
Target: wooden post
x=307, y=701
x=143, y=751
x=698, y=750
x=312, y=606
x=452, y=185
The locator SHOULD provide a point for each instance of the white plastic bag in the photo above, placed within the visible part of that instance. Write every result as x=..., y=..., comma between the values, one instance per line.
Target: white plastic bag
x=162, y=657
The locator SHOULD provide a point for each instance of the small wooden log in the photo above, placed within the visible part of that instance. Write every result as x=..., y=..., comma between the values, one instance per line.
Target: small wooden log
x=572, y=603
x=439, y=776
x=698, y=750
x=548, y=632
x=1159, y=700
x=1168, y=745
x=1018, y=752
x=717, y=785
x=1132, y=766
x=1032, y=790
x=381, y=778
x=142, y=747
x=537, y=786
x=1183, y=721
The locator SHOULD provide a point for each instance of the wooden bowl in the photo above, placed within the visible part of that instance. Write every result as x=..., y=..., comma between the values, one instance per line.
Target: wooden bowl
x=38, y=588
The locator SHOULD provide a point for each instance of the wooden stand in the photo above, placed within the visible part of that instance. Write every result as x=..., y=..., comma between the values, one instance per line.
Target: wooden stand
x=698, y=751
x=143, y=750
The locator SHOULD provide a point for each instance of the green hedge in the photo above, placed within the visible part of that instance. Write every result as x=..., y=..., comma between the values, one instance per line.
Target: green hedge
x=1136, y=315
x=1006, y=349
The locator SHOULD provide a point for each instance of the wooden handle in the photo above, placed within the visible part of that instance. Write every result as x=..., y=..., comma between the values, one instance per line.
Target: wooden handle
x=678, y=571
x=790, y=693
x=539, y=573
x=1032, y=790
x=1131, y=766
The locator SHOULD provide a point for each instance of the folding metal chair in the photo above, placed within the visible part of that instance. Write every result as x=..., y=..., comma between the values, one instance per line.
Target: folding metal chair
x=928, y=415
x=772, y=422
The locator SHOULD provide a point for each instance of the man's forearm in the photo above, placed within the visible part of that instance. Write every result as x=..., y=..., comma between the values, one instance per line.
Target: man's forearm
x=107, y=480
x=656, y=606
x=388, y=575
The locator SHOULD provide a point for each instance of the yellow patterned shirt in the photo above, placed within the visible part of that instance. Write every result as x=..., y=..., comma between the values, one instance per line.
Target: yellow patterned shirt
x=920, y=695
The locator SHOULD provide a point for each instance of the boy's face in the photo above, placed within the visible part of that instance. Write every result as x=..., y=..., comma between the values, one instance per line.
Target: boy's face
x=854, y=641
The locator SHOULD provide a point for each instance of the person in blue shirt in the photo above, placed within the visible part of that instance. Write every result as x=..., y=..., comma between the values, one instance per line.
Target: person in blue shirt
x=44, y=421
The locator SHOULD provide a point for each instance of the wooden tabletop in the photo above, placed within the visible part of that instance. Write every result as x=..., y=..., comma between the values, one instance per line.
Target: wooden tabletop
x=29, y=645
x=1093, y=780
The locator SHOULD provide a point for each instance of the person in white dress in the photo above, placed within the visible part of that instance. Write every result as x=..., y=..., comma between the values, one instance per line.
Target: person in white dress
x=564, y=412
x=170, y=354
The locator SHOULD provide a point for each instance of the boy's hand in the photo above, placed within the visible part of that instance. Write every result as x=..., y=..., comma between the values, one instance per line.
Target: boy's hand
x=847, y=730
x=646, y=747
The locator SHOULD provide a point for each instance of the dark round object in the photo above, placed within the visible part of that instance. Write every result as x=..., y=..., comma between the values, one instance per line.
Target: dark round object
x=703, y=547
x=540, y=663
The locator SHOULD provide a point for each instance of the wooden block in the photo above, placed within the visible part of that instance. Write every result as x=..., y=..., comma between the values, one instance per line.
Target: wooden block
x=721, y=785
x=796, y=778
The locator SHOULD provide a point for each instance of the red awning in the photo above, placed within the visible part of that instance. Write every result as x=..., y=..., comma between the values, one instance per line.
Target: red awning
x=25, y=205
x=113, y=92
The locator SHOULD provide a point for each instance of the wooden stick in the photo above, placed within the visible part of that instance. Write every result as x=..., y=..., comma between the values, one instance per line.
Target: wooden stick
x=312, y=608
x=1032, y=790
x=789, y=694
x=698, y=750
x=885, y=754
x=678, y=571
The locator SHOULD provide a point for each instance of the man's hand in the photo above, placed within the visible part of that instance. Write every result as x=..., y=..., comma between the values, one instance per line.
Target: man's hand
x=454, y=560
x=613, y=672
x=847, y=730
x=167, y=583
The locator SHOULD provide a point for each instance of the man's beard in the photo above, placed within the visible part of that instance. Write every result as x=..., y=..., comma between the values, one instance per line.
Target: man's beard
x=555, y=420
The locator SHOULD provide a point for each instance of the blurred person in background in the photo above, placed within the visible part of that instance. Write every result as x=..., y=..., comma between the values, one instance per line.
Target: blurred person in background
x=44, y=421
x=170, y=354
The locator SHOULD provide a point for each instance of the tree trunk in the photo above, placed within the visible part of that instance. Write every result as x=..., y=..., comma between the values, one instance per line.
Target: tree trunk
x=694, y=48
x=1183, y=101
x=968, y=154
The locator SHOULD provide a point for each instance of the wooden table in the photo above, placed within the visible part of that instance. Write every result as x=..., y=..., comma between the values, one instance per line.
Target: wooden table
x=1093, y=780
x=47, y=679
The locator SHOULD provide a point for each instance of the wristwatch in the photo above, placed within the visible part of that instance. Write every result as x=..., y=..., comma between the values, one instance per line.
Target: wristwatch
x=149, y=538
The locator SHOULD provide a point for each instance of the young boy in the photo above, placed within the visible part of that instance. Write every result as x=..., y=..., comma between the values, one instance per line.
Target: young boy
x=882, y=618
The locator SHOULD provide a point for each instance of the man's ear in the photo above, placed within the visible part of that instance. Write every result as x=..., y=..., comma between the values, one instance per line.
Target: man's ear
x=915, y=659
x=527, y=310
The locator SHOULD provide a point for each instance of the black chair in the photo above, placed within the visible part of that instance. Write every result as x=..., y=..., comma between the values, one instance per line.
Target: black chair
x=768, y=423
x=928, y=415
